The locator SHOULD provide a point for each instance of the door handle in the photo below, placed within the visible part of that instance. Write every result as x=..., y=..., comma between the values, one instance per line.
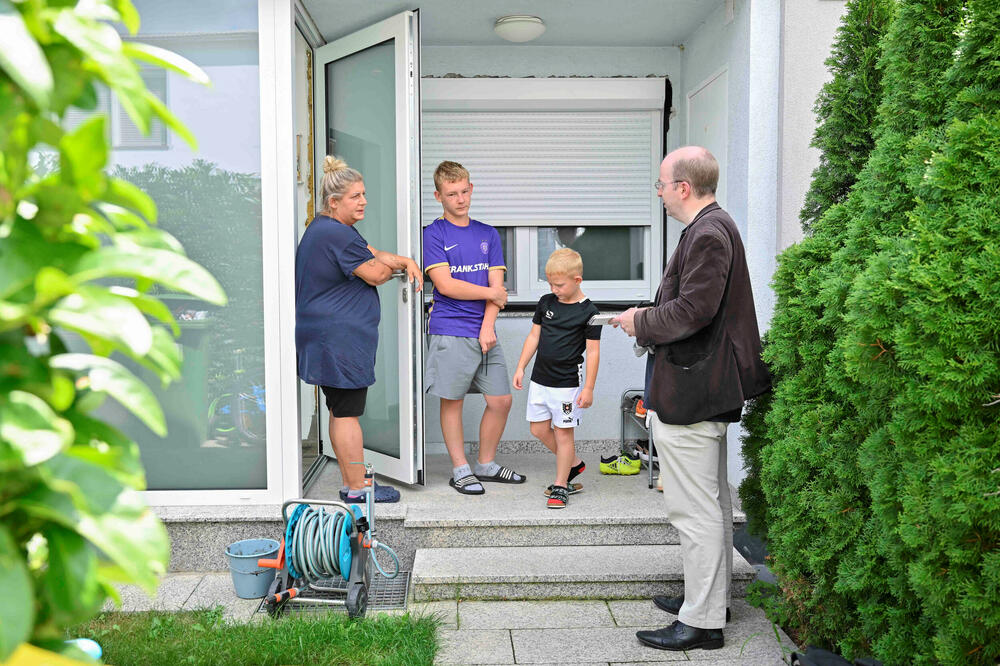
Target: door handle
x=401, y=274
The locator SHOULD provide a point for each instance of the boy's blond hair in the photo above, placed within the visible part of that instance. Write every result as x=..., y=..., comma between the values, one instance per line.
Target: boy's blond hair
x=564, y=261
x=449, y=172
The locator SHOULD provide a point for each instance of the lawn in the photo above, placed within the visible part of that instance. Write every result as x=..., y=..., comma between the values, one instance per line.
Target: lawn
x=203, y=637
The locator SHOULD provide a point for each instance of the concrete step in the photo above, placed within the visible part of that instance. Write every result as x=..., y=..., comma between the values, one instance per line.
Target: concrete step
x=612, y=510
x=580, y=532
x=199, y=535
x=556, y=572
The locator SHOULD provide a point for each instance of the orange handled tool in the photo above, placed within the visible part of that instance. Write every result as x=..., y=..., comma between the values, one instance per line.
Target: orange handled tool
x=276, y=563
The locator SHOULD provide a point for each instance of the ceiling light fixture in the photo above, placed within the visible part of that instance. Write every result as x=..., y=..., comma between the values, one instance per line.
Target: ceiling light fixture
x=519, y=28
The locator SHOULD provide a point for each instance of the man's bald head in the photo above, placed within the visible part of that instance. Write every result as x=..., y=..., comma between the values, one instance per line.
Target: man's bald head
x=697, y=167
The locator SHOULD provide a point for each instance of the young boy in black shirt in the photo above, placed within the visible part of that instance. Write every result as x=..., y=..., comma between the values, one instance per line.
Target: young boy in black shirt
x=556, y=399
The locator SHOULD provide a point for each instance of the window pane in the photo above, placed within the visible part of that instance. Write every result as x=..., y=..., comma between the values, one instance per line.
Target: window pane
x=210, y=201
x=360, y=122
x=609, y=253
x=509, y=258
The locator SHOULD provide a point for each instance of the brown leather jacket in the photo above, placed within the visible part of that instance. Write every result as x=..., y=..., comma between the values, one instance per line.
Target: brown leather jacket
x=703, y=326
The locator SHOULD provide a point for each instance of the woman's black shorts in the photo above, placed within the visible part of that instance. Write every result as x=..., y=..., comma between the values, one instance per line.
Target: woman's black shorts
x=345, y=402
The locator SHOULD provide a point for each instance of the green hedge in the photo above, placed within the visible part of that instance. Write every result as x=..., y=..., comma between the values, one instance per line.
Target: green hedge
x=879, y=457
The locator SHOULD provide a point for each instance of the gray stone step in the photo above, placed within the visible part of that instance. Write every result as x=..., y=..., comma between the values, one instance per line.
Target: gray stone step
x=556, y=572
x=199, y=535
x=612, y=510
x=582, y=532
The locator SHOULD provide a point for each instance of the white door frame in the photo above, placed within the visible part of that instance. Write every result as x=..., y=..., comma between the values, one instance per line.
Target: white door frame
x=275, y=25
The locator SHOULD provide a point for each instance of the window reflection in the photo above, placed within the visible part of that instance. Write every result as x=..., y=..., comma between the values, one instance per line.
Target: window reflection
x=608, y=253
x=210, y=201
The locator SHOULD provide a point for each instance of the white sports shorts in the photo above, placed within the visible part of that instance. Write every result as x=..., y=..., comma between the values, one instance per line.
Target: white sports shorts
x=557, y=404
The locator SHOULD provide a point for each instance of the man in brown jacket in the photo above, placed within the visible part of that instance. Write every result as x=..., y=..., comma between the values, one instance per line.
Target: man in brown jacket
x=702, y=331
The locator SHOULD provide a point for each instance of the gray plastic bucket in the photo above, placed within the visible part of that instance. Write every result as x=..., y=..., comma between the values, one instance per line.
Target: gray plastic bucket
x=251, y=581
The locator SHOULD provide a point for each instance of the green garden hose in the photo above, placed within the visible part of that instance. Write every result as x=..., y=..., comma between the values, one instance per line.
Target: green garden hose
x=318, y=543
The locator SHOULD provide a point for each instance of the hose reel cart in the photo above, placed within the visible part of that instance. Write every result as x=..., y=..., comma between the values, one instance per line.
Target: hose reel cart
x=325, y=540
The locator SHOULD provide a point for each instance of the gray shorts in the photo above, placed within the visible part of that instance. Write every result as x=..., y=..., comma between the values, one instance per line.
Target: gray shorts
x=456, y=366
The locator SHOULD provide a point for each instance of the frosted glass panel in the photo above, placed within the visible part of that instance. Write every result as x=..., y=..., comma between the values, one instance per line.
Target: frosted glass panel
x=361, y=128
x=209, y=200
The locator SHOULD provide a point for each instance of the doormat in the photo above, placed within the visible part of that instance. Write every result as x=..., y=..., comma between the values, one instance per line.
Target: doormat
x=383, y=594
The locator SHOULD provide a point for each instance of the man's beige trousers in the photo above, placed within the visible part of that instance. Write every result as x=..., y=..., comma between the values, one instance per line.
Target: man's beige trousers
x=699, y=505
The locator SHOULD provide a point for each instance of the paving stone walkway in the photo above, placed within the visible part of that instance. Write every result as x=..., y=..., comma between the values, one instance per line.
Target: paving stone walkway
x=517, y=632
x=589, y=632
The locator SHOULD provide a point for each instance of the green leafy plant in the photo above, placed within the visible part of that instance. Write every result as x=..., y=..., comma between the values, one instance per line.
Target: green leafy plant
x=846, y=117
x=79, y=254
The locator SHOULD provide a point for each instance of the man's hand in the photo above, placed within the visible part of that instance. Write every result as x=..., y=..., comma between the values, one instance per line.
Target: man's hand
x=519, y=379
x=487, y=338
x=498, y=296
x=415, y=274
x=586, y=397
x=627, y=321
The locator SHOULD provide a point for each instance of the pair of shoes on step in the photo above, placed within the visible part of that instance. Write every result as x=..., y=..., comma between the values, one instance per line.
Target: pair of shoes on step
x=680, y=636
x=383, y=494
x=623, y=465
x=469, y=484
x=558, y=497
x=673, y=604
x=642, y=453
x=559, y=500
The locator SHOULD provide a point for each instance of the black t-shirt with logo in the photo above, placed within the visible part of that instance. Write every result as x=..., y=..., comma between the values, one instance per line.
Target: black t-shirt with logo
x=562, y=341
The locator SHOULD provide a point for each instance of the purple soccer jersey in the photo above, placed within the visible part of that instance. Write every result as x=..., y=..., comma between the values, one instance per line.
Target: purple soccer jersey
x=471, y=253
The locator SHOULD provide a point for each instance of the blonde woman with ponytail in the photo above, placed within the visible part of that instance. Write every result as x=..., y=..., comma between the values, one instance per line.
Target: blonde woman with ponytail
x=337, y=314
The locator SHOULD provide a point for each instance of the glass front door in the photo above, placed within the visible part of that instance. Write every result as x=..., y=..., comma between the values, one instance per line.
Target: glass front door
x=367, y=113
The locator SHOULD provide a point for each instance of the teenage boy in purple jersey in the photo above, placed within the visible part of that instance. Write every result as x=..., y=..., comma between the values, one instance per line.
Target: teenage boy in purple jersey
x=464, y=260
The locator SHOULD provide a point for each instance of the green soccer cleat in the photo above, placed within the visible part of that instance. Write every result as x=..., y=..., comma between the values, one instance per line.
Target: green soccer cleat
x=622, y=465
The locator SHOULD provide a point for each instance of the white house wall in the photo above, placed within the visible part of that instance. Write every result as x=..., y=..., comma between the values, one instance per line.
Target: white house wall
x=620, y=369
x=178, y=16
x=230, y=146
x=808, y=29
x=545, y=61
x=221, y=36
x=722, y=43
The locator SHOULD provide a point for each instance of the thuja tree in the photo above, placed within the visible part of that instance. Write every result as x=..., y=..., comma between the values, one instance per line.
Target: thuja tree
x=846, y=106
x=918, y=51
x=845, y=113
x=826, y=542
x=929, y=305
x=78, y=257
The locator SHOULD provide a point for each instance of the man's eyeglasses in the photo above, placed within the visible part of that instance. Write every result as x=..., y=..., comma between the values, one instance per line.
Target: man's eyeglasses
x=659, y=184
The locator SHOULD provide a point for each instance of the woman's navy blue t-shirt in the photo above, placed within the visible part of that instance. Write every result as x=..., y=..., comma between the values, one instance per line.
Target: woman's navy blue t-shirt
x=336, y=313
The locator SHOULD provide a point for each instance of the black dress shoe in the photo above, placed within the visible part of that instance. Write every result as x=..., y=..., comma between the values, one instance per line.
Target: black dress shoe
x=680, y=636
x=673, y=604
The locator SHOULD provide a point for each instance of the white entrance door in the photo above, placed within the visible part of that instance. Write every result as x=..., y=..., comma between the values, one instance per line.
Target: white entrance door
x=367, y=112
x=708, y=123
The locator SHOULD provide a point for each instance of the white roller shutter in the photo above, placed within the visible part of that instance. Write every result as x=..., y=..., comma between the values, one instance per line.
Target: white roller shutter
x=546, y=168
x=127, y=133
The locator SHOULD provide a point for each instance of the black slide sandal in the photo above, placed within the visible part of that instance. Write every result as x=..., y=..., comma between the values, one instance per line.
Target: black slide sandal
x=461, y=485
x=504, y=475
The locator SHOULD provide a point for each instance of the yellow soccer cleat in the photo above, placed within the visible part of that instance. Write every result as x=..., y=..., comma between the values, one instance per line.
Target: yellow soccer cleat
x=622, y=465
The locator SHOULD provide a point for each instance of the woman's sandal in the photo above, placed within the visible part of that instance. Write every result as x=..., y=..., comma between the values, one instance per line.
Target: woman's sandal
x=462, y=485
x=504, y=475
